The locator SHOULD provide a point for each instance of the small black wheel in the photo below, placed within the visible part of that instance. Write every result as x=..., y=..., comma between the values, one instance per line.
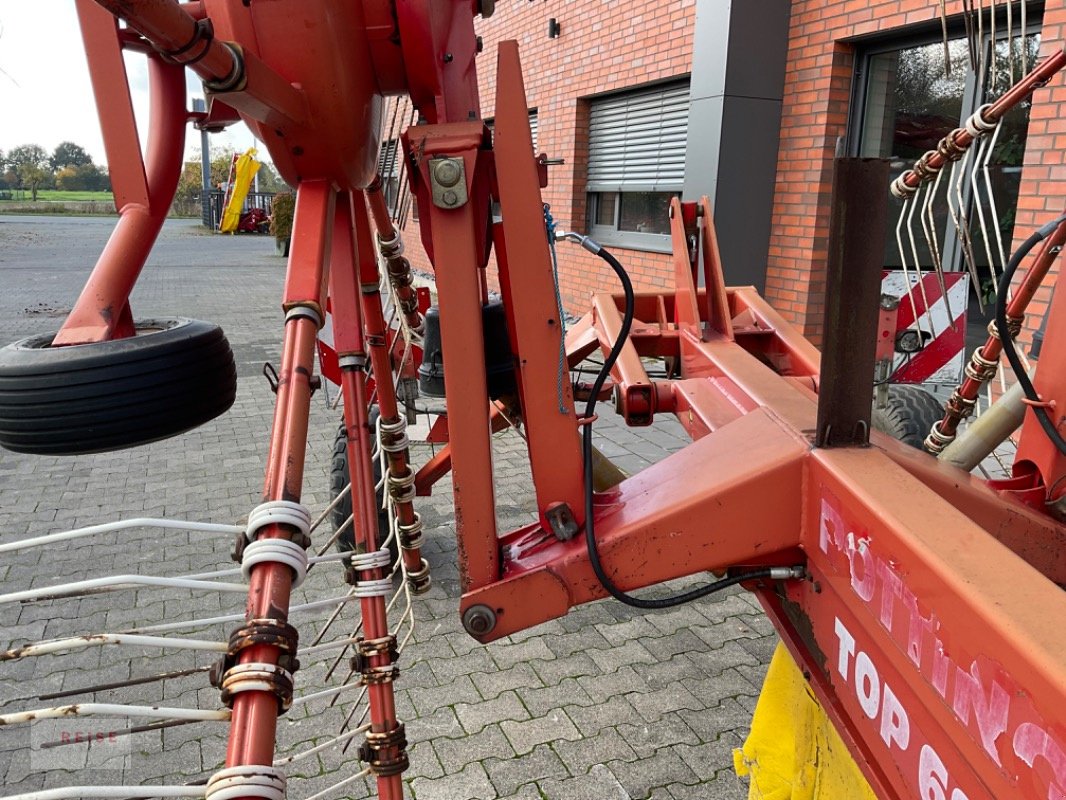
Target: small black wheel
x=172, y=376
x=909, y=414
x=339, y=477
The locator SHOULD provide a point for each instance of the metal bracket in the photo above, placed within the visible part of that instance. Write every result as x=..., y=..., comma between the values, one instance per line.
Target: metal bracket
x=447, y=180
x=561, y=519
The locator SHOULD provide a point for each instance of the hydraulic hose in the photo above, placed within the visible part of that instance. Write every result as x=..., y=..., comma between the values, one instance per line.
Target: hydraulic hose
x=776, y=573
x=1009, y=350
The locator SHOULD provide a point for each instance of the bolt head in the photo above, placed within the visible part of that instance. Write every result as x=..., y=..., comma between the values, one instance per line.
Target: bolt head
x=450, y=197
x=446, y=172
x=479, y=620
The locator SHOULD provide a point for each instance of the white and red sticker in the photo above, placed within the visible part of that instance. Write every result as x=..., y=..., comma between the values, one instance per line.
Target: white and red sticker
x=984, y=700
x=939, y=319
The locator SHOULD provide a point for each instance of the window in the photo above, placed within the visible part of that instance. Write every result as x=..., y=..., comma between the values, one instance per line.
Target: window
x=908, y=102
x=389, y=159
x=636, y=164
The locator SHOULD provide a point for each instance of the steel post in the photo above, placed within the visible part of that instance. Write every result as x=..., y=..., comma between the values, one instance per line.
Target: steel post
x=853, y=288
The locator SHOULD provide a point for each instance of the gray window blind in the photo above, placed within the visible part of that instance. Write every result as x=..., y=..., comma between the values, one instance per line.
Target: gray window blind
x=637, y=140
x=389, y=159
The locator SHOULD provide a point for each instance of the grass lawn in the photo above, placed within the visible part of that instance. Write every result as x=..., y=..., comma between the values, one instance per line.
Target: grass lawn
x=52, y=195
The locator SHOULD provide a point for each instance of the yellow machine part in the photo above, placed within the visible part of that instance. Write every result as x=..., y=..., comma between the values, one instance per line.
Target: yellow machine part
x=247, y=166
x=793, y=751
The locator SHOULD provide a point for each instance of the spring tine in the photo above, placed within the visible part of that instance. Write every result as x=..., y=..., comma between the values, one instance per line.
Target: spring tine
x=993, y=210
x=931, y=239
x=978, y=159
x=995, y=73
x=944, y=34
x=917, y=261
x=103, y=687
x=962, y=220
x=1025, y=47
x=903, y=213
x=1010, y=42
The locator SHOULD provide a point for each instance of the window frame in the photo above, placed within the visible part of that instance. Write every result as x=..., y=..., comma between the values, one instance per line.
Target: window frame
x=613, y=234
x=867, y=49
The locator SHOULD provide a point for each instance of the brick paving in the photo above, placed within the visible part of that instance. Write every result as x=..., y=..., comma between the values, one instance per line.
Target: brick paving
x=603, y=703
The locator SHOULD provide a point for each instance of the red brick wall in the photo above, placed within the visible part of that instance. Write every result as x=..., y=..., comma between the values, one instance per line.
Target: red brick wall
x=1043, y=186
x=815, y=115
x=604, y=45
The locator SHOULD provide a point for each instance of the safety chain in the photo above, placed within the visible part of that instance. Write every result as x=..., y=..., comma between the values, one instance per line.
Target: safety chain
x=374, y=752
x=367, y=649
x=232, y=677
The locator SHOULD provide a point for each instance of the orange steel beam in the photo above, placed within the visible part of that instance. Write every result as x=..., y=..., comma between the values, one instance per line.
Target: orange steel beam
x=533, y=323
x=457, y=241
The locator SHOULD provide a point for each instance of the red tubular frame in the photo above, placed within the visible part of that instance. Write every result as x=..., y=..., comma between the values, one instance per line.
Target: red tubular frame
x=399, y=462
x=962, y=400
x=344, y=294
x=254, y=723
x=143, y=191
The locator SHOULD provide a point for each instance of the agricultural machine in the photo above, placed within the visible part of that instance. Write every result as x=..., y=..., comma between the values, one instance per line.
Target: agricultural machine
x=920, y=603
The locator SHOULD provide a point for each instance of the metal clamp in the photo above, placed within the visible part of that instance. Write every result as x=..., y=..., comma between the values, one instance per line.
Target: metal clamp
x=420, y=580
x=373, y=752
x=257, y=677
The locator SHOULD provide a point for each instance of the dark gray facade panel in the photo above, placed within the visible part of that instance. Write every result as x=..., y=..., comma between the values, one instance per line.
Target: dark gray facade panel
x=738, y=73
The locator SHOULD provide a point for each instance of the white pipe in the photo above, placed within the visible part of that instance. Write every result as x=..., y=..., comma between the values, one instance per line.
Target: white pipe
x=113, y=581
x=101, y=639
x=66, y=792
x=140, y=522
x=114, y=710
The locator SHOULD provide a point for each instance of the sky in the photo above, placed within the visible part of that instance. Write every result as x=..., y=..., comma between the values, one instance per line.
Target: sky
x=45, y=94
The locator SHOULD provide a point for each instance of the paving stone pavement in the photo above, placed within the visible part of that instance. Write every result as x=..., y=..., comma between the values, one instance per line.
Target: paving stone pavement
x=604, y=703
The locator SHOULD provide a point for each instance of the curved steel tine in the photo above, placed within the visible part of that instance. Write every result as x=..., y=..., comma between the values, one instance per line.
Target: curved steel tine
x=978, y=159
x=931, y=239
x=903, y=214
x=962, y=220
x=993, y=210
x=918, y=262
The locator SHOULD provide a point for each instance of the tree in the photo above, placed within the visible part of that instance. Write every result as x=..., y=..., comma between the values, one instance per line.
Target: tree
x=86, y=178
x=31, y=177
x=68, y=154
x=30, y=164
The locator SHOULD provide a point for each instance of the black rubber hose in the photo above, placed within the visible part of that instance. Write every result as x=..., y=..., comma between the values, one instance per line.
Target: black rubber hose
x=1007, y=340
x=586, y=451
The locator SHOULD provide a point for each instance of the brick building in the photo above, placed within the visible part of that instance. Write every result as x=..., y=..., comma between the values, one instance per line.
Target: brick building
x=764, y=96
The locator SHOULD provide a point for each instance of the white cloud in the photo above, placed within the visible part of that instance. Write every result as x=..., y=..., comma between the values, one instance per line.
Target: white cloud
x=45, y=94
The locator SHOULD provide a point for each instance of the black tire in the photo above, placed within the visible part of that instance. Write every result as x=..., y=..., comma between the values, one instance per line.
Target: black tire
x=174, y=375
x=339, y=477
x=909, y=414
